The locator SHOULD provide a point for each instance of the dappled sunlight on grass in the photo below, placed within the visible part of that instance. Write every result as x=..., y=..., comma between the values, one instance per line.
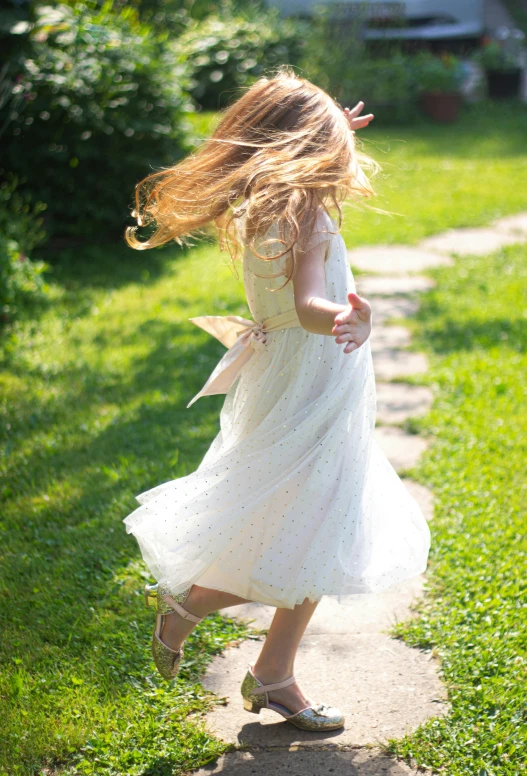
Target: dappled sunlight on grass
x=103, y=417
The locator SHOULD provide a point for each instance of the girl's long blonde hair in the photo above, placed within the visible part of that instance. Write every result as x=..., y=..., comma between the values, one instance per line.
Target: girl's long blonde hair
x=284, y=150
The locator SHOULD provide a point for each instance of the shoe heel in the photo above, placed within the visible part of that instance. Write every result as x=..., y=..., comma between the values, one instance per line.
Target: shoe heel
x=151, y=595
x=250, y=706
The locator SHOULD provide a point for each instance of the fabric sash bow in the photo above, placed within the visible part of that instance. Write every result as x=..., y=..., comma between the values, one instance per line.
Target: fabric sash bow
x=242, y=337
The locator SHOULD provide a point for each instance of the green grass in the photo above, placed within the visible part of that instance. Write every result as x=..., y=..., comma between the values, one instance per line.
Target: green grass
x=93, y=412
x=474, y=328
x=439, y=177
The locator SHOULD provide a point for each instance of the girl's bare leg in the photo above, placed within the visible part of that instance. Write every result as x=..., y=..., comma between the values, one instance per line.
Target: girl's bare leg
x=200, y=602
x=277, y=658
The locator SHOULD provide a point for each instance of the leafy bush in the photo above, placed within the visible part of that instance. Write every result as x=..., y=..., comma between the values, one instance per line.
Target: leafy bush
x=503, y=55
x=438, y=74
x=21, y=279
x=385, y=81
x=344, y=66
x=386, y=85
x=229, y=50
x=103, y=101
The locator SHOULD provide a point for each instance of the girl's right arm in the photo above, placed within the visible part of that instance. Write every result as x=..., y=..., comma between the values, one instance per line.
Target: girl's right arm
x=349, y=324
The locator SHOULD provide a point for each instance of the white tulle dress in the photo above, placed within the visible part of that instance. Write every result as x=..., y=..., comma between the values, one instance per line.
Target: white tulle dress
x=294, y=498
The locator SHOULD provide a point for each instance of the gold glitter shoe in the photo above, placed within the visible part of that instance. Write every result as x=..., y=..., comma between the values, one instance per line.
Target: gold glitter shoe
x=167, y=660
x=319, y=717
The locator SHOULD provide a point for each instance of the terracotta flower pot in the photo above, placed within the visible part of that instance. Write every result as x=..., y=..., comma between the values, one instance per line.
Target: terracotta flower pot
x=442, y=106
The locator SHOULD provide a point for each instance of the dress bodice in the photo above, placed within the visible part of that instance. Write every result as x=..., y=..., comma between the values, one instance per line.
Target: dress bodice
x=266, y=299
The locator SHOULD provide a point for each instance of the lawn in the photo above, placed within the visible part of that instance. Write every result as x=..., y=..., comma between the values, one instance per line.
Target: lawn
x=474, y=328
x=93, y=411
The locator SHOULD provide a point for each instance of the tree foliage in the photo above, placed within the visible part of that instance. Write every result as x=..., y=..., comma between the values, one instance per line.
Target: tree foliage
x=228, y=50
x=97, y=99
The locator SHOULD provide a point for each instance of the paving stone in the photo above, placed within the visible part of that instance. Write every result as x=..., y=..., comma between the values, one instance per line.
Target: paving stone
x=259, y=615
x=403, y=450
x=383, y=687
x=387, y=308
x=396, y=402
x=423, y=496
x=395, y=259
x=390, y=285
x=357, y=614
x=464, y=242
x=393, y=363
x=302, y=762
x=383, y=337
x=516, y=225
x=367, y=613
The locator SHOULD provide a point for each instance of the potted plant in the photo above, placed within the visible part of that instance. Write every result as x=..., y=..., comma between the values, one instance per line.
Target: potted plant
x=502, y=59
x=438, y=79
x=386, y=84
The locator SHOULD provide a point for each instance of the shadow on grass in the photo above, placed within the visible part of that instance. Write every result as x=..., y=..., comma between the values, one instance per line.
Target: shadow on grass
x=88, y=266
x=160, y=440
x=455, y=335
x=71, y=579
x=81, y=272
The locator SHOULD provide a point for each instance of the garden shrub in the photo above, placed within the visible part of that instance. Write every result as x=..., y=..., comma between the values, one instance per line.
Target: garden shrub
x=438, y=73
x=340, y=61
x=230, y=48
x=21, y=279
x=386, y=85
x=104, y=99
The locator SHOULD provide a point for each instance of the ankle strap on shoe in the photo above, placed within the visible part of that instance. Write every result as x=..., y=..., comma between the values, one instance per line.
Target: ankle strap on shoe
x=179, y=609
x=275, y=686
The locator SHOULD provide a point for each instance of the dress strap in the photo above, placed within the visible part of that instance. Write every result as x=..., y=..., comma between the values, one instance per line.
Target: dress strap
x=241, y=336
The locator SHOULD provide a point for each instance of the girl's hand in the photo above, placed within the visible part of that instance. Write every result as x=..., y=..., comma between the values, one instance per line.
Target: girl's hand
x=355, y=120
x=353, y=325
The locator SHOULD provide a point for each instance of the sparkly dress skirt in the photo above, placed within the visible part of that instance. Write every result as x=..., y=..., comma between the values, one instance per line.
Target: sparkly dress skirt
x=294, y=498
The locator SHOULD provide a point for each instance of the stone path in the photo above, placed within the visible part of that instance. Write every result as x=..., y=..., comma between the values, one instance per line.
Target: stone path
x=301, y=762
x=347, y=658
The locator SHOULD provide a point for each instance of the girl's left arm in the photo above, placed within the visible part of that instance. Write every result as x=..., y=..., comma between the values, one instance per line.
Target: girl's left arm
x=349, y=324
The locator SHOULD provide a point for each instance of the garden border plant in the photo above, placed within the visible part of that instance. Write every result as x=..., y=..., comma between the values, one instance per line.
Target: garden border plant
x=22, y=283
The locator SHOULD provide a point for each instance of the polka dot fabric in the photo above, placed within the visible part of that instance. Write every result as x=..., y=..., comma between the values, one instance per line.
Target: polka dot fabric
x=294, y=498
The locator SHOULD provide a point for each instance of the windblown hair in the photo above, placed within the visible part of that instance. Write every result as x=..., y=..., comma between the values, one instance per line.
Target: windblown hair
x=279, y=154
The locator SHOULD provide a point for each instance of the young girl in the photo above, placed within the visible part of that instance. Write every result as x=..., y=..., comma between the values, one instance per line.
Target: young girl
x=293, y=500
